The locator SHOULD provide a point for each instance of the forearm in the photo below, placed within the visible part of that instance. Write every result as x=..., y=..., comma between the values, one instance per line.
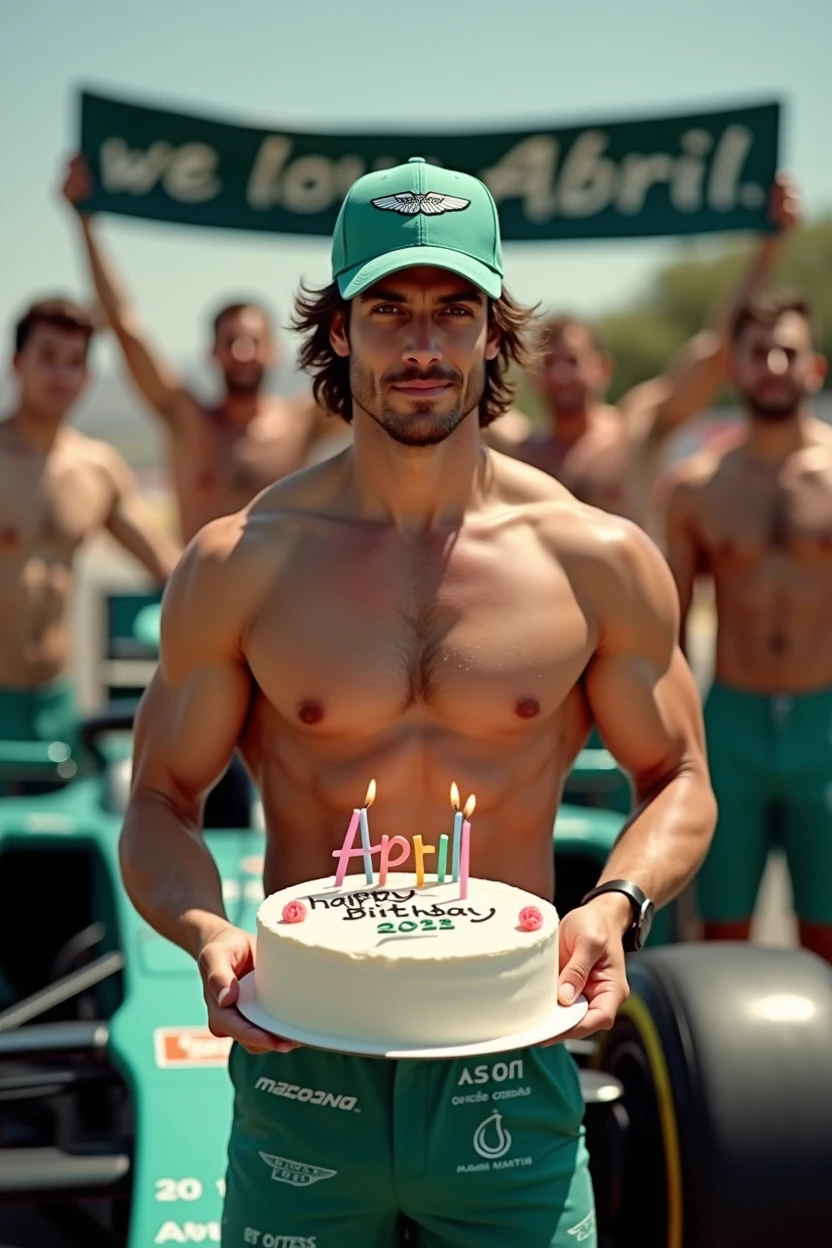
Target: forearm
x=756, y=275
x=665, y=841
x=111, y=294
x=169, y=873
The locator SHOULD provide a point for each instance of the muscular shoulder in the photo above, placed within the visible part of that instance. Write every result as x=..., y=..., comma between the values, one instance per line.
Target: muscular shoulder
x=688, y=482
x=216, y=590
x=616, y=572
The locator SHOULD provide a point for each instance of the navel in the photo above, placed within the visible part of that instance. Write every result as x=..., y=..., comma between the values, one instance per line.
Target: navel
x=9, y=536
x=527, y=708
x=778, y=643
x=310, y=712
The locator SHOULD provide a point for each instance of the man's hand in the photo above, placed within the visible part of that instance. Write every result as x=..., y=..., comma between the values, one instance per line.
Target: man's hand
x=784, y=207
x=77, y=186
x=223, y=961
x=592, y=961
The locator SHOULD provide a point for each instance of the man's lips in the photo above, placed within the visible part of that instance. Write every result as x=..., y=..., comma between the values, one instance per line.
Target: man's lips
x=422, y=388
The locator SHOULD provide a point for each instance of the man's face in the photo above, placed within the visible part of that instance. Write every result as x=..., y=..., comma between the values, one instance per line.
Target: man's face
x=574, y=372
x=245, y=350
x=775, y=367
x=52, y=369
x=418, y=342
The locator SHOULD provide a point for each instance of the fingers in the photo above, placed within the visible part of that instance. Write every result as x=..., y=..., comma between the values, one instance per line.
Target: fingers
x=587, y=950
x=221, y=963
x=230, y=1022
x=78, y=184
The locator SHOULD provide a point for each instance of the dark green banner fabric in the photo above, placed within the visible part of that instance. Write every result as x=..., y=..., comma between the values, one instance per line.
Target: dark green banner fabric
x=663, y=176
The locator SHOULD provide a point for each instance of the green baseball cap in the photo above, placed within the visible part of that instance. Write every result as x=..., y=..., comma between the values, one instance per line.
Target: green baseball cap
x=417, y=214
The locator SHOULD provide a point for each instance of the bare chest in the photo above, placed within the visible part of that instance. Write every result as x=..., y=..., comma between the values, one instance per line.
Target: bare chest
x=746, y=518
x=220, y=460
x=477, y=640
x=56, y=504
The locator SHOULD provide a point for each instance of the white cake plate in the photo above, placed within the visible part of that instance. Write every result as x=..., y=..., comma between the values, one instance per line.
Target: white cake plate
x=562, y=1019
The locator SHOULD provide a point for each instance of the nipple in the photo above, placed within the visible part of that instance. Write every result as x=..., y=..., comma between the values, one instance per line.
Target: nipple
x=527, y=708
x=310, y=712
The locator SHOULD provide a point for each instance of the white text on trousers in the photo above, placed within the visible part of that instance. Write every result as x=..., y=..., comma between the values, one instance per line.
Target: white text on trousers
x=499, y=1072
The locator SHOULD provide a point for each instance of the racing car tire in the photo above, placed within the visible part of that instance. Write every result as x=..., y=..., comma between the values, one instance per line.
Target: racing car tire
x=725, y=1057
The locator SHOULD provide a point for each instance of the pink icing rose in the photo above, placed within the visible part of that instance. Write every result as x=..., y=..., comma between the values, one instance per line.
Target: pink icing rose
x=530, y=919
x=294, y=912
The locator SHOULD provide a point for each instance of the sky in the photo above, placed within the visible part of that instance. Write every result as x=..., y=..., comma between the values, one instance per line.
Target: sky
x=440, y=64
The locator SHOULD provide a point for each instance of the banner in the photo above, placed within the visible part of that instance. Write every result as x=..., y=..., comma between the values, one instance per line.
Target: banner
x=677, y=175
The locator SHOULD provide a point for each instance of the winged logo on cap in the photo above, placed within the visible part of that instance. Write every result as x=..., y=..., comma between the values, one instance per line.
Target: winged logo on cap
x=431, y=203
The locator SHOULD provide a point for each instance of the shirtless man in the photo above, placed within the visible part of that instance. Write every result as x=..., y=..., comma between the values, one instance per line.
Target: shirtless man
x=757, y=518
x=58, y=489
x=418, y=608
x=220, y=458
x=611, y=456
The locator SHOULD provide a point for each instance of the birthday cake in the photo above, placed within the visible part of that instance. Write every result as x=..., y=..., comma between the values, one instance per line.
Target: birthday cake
x=405, y=964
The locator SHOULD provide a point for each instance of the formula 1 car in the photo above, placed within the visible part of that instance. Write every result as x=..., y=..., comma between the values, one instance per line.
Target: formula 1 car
x=709, y=1104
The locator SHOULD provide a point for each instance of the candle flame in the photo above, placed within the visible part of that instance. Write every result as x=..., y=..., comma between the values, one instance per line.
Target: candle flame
x=455, y=796
x=470, y=806
x=371, y=793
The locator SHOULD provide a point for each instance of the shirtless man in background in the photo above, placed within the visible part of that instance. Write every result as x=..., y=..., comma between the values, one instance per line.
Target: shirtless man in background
x=58, y=489
x=219, y=458
x=611, y=456
x=757, y=519
x=419, y=609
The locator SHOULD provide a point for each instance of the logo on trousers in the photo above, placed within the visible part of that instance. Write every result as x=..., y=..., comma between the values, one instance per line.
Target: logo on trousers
x=491, y=1139
x=295, y=1173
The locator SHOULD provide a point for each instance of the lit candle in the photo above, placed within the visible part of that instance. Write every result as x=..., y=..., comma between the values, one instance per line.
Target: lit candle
x=346, y=851
x=465, y=857
x=388, y=843
x=365, y=831
x=442, y=862
x=457, y=833
x=419, y=851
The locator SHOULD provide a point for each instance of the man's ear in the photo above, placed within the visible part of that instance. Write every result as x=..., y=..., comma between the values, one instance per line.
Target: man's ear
x=606, y=368
x=817, y=375
x=493, y=341
x=338, y=335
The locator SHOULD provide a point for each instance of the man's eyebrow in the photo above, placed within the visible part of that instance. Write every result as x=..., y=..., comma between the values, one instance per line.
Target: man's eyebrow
x=470, y=295
x=465, y=296
x=374, y=294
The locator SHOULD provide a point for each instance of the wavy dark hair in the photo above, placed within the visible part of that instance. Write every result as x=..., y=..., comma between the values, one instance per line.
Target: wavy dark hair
x=315, y=308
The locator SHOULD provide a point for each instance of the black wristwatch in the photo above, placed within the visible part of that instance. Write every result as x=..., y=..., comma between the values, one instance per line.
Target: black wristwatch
x=643, y=911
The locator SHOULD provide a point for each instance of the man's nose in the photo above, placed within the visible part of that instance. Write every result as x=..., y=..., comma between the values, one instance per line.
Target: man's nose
x=777, y=362
x=422, y=347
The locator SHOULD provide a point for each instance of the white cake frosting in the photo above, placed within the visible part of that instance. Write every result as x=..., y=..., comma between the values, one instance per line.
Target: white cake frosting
x=407, y=967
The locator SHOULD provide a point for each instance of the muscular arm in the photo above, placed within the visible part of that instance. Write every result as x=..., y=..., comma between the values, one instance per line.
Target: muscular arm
x=688, y=386
x=132, y=523
x=188, y=724
x=153, y=375
x=683, y=554
x=646, y=706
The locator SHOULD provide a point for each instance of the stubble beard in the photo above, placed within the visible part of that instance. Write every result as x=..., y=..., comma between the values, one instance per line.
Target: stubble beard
x=775, y=411
x=422, y=426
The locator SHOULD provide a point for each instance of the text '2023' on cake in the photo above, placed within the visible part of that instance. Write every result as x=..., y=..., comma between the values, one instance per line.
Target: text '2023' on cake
x=410, y=959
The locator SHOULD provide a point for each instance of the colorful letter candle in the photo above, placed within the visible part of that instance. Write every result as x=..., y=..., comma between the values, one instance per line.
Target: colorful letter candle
x=457, y=846
x=419, y=851
x=346, y=852
x=442, y=861
x=387, y=863
x=465, y=852
x=365, y=831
